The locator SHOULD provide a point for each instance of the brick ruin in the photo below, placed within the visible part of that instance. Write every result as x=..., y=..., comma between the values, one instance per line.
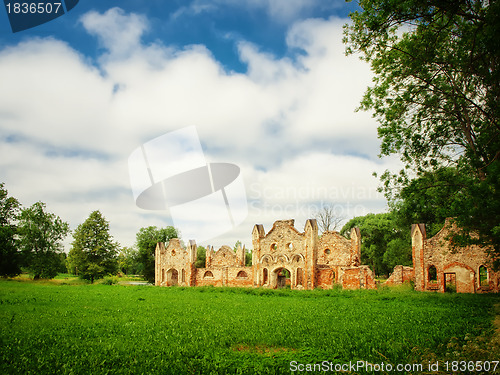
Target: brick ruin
x=283, y=257
x=400, y=275
x=439, y=266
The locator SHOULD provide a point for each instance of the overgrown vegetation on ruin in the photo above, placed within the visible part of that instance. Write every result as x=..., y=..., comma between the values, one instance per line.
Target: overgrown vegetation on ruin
x=78, y=329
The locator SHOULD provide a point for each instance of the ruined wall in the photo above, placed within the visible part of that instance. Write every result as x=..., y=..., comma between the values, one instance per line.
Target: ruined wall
x=439, y=265
x=175, y=265
x=284, y=257
x=225, y=257
x=334, y=249
x=283, y=254
x=225, y=267
x=360, y=277
x=400, y=275
x=225, y=276
x=327, y=276
x=334, y=252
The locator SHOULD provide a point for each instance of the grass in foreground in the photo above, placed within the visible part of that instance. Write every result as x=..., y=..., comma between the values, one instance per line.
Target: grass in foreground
x=101, y=329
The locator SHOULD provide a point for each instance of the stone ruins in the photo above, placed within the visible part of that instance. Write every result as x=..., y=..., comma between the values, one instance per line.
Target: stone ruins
x=439, y=266
x=285, y=257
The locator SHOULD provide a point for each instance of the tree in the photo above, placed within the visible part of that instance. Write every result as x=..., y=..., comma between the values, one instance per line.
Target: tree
x=435, y=95
x=40, y=240
x=327, y=219
x=128, y=261
x=201, y=257
x=10, y=258
x=93, y=252
x=430, y=199
x=146, y=240
x=384, y=243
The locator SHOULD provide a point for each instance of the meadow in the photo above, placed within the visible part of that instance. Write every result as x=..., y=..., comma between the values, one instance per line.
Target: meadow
x=74, y=328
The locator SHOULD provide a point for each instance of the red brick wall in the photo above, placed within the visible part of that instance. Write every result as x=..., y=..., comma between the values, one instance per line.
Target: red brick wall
x=400, y=275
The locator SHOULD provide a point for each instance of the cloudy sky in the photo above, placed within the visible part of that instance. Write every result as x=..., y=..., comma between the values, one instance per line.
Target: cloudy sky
x=265, y=83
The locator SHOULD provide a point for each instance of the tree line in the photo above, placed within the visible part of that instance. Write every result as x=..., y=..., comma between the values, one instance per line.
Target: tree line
x=31, y=240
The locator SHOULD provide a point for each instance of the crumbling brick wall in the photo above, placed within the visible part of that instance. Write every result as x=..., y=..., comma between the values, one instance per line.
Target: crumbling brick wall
x=285, y=253
x=360, y=277
x=225, y=257
x=174, y=265
x=283, y=257
x=334, y=253
x=400, y=275
x=439, y=265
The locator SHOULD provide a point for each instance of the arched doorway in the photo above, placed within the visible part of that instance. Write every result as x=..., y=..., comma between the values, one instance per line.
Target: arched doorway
x=282, y=278
x=172, y=277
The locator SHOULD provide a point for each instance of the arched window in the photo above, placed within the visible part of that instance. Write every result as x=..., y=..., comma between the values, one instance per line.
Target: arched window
x=242, y=275
x=483, y=276
x=265, y=276
x=432, y=273
x=208, y=275
x=183, y=275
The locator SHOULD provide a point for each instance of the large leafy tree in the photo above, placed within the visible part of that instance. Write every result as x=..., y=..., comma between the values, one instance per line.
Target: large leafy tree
x=40, y=239
x=384, y=243
x=435, y=94
x=128, y=261
x=146, y=240
x=430, y=199
x=93, y=252
x=10, y=258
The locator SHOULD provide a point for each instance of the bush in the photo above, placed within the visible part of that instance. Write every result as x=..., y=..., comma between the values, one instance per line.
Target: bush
x=110, y=280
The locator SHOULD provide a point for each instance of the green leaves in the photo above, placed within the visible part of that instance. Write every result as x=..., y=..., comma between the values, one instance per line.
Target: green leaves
x=94, y=250
x=384, y=242
x=10, y=258
x=435, y=95
x=146, y=240
x=40, y=240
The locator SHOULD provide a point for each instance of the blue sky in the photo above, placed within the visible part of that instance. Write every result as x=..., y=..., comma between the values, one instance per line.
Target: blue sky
x=215, y=24
x=265, y=82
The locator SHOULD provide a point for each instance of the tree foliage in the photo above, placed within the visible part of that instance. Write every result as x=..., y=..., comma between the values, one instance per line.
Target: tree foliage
x=128, y=261
x=384, y=244
x=146, y=240
x=40, y=239
x=93, y=252
x=10, y=258
x=430, y=199
x=435, y=95
x=201, y=257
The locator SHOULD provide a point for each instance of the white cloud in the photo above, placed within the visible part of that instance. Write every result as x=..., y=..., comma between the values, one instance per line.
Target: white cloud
x=289, y=123
x=280, y=10
x=118, y=32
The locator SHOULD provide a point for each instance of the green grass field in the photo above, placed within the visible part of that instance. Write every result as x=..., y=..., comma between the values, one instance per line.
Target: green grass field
x=56, y=328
